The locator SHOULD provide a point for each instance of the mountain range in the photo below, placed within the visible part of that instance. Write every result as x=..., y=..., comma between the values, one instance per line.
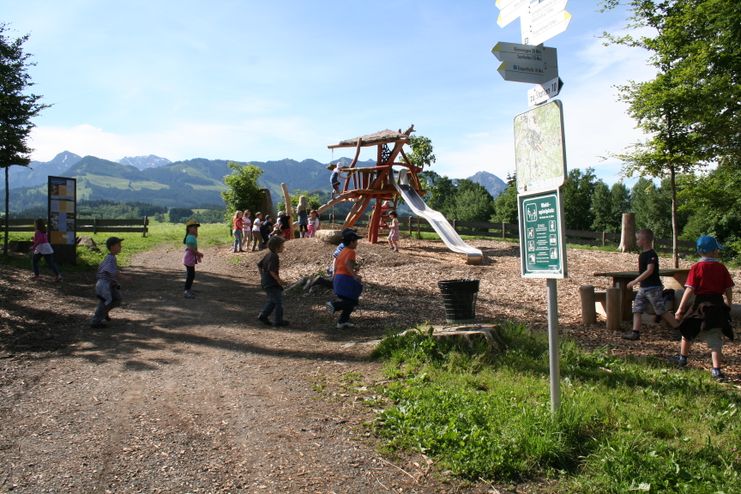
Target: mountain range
x=190, y=184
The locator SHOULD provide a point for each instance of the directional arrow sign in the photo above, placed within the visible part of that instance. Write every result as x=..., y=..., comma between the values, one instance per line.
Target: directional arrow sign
x=515, y=52
x=543, y=21
x=537, y=68
x=509, y=10
x=544, y=92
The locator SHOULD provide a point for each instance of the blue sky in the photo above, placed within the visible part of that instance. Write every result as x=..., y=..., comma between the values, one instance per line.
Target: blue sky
x=267, y=80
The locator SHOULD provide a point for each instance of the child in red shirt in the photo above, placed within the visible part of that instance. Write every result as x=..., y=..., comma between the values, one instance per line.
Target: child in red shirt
x=709, y=318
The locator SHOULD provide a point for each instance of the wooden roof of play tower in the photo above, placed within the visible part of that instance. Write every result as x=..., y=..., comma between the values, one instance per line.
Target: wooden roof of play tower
x=381, y=137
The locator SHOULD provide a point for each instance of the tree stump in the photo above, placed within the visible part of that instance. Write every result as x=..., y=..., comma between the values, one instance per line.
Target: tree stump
x=614, y=309
x=628, y=233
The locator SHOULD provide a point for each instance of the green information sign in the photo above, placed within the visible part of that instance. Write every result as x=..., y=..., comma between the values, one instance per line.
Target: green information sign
x=542, y=249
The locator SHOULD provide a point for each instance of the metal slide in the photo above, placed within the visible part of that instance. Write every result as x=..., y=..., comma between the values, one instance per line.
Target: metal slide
x=438, y=222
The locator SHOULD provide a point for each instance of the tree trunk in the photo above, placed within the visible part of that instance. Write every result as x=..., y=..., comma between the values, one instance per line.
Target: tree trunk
x=7, y=213
x=675, y=226
x=628, y=233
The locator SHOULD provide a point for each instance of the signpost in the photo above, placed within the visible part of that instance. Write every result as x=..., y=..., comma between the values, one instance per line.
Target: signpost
x=540, y=156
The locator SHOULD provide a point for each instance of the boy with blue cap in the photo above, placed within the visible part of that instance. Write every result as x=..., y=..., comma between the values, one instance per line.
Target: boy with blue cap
x=709, y=318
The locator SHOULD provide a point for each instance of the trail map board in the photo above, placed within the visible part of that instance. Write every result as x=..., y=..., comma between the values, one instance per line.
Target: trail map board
x=540, y=154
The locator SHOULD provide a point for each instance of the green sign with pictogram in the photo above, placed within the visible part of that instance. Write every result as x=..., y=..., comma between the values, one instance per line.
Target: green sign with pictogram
x=542, y=248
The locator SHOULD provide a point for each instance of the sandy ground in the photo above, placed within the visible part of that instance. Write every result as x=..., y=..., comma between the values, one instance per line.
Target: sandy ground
x=181, y=395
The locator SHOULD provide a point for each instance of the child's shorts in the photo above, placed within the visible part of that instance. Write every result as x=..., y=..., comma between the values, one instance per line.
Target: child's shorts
x=649, y=295
x=712, y=337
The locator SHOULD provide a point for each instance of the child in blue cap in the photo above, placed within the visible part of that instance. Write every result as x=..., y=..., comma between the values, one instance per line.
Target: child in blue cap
x=709, y=318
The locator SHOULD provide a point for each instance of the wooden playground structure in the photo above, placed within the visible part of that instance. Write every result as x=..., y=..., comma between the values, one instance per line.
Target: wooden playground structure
x=374, y=186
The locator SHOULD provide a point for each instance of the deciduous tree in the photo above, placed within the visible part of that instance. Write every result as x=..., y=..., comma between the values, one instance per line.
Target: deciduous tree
x=16, y=110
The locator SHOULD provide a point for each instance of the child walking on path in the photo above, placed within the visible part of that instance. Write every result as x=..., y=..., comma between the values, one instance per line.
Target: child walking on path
x=192, y=256
x=237, y=231
x=42, y=248
x=106, y=286
x=709, y=318
x=269, y=268
x=651, y=289
x=394, y=231
x=347, y=282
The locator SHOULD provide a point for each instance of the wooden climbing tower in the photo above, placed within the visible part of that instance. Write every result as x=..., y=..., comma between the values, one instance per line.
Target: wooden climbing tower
x=373, y=187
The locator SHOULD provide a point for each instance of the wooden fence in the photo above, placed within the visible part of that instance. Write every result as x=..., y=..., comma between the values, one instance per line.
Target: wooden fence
x=416, y=225
x=94, y=225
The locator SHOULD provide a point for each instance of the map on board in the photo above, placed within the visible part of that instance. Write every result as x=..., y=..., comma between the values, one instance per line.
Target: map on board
x=540, y=156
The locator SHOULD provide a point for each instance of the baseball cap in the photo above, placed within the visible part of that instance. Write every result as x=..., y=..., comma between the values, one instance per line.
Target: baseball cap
x=112, y=241
x=349, y=235
x=706, y=244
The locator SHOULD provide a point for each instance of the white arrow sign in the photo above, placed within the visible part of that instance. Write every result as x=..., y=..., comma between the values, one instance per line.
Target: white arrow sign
x=543, y=21
x=510, y=10
x=543, y=92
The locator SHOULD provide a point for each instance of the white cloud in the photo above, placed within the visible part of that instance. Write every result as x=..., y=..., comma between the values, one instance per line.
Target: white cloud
x=254, y=139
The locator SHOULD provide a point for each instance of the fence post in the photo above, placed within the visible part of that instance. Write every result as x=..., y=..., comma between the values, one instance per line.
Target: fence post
x=95, y=226
x=409, y=222
x=146, y=223
x=504, y=230
x=604, y=238
x=419, y=233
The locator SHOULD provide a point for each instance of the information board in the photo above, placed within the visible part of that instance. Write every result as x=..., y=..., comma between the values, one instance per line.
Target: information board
x=542, y=247
x=540, y=154
x=62, y=225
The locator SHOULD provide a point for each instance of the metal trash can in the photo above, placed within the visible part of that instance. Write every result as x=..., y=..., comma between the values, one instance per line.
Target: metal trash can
x=459, y=297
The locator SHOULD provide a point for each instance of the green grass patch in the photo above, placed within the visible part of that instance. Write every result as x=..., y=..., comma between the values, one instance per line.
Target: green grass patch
x=623, y=426
x=159, y=233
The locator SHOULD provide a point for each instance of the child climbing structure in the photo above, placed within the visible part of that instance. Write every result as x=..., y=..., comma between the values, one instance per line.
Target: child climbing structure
x=378, y=186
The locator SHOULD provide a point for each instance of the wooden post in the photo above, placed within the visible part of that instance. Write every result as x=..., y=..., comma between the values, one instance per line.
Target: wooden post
x=504, y=230
x=95, y=226
x=614, y=309
x=146, y=224
x=588, y=313
x=419, y=233
x=604, y=238
x=409, y=222
x=628, y=233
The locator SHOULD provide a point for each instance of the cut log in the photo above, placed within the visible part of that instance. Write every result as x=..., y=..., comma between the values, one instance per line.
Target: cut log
x=588, y=314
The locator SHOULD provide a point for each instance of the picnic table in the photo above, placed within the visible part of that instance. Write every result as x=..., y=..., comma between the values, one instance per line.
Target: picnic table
x=620, y=279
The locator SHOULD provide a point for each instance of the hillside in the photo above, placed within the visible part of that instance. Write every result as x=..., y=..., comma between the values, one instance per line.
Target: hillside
x=191, y=183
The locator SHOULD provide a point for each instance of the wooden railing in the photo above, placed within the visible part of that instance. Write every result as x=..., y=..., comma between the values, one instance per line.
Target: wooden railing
x=416, y=225
x=94, y=225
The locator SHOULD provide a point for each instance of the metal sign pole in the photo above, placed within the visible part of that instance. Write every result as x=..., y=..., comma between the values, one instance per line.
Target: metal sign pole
x=553, y=345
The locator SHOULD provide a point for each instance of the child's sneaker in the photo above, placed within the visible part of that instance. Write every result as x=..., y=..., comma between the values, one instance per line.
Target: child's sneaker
x=345, y=325
x=680, y=360
x=632, y=335
x=264, y=320
x=717, y=374
x=189, y=294
x=330, y=307
x=58, y=279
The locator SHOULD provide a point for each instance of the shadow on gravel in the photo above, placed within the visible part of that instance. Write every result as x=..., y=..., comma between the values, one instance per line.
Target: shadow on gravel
x=48, y=320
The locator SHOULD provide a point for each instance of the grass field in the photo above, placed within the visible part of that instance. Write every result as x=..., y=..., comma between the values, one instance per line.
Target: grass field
x=159, y=233
x=623, y=426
